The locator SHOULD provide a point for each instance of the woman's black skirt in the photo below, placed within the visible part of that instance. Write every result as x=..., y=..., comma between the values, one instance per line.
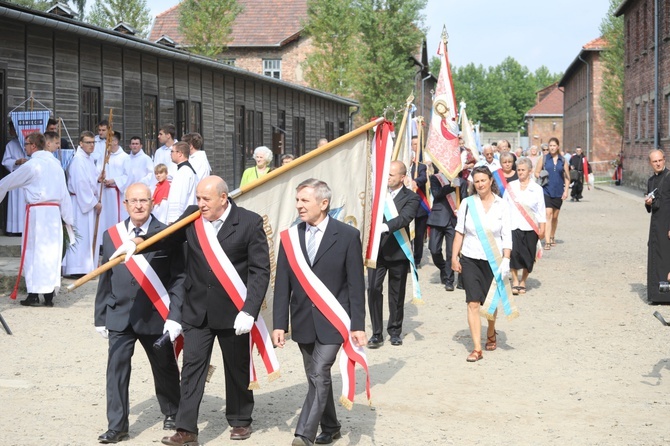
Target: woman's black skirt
x=524, y=244
x=477, y=279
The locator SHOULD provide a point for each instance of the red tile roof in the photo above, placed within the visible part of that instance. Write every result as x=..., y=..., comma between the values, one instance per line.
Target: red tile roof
x=596, y=44
x=552, y=104
x=264, y=23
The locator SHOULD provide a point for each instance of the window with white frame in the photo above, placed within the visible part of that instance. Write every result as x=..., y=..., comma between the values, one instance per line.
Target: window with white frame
x=272, y=68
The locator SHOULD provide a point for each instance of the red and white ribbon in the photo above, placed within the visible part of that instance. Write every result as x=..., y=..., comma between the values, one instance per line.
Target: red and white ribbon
x=324, y=300
x=232, y=283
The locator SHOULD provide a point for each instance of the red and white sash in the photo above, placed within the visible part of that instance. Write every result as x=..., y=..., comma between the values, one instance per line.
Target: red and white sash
x=232, y=283
x=330, y=307
x=525, y=213
x=146, y=277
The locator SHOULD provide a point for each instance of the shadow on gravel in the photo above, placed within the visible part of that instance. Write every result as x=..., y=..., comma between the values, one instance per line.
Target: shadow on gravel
x=463, y=337
x=656, y=373
x=641, y=290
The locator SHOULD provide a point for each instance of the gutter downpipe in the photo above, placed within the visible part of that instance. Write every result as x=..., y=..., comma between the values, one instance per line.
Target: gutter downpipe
x=588, y=106
x=657, y=89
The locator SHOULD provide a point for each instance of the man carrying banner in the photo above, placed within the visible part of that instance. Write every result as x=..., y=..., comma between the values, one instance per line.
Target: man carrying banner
x=442, y=222
x=393, y=257
x=139, y=300
x=115, y=180
x=227, y=275
x=43, y=182
x=320, y=283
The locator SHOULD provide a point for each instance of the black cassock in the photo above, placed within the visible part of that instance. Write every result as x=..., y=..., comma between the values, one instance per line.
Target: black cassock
x=658, y=254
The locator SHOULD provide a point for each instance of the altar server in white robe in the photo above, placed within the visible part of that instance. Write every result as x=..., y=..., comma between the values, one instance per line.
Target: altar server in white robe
x=182, y=188
x=42, y=180
x=115, y=181
x=100, y=145
x=163, y=155
x=140, y=165
x=15, y=156
x=83, y=186
x=198, y=157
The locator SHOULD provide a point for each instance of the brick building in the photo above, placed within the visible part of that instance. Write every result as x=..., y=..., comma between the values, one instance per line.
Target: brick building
x=545, y=119
x=584, y=121
x=643, y=55
x=267, y=38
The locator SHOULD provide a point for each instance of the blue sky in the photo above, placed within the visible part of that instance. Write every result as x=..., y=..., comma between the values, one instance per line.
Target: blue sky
x=534, y=32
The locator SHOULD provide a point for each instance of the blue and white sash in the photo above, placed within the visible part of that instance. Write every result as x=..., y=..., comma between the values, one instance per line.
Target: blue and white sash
x=500, y=292
x=390, y=212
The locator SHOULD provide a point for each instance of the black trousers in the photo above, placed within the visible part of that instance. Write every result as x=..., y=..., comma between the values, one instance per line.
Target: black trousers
x=577, y=187
x=163, y=366
x=319, y=405
x=397, y=272
x=198, y=345
x=438, y=236
x=419, y=237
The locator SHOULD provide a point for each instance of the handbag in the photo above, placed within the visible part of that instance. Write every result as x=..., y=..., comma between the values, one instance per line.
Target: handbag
x=543, y=179
x=574, y=175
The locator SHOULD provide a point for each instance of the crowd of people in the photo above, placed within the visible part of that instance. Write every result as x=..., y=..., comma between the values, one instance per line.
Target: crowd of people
x=484, y=228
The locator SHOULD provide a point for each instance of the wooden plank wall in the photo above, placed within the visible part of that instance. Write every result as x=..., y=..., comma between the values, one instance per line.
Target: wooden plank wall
x=55, y=65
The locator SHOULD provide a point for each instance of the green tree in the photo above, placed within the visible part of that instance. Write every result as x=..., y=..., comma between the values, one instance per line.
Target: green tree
x=109, y=13
x=611, y=97
x=364, y=48
x=334, y=65
x=207, y=24
x=518, y=88
x=543, y=77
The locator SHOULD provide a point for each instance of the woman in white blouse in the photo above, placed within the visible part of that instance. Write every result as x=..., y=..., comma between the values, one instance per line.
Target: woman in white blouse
x=474, y=264
x=528, y=217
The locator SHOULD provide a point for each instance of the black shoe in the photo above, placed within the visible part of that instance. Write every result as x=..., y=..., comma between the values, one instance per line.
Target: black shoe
x=375, y=341
x=32, y=300
x=395, y=340
x=49, y=299
x=449, y=287
x=459, y=283
x=112, y=436
x=327, y=437
x=169, y=423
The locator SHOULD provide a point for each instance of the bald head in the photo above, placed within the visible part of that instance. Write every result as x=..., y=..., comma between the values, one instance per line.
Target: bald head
x=212, y=196
x=138, y=203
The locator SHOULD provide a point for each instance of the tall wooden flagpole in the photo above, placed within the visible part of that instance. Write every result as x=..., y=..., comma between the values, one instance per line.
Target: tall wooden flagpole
x=101, y=179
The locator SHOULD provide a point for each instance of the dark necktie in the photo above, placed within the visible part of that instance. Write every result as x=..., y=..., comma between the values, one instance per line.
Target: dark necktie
x=138, y=231
x=311, y=243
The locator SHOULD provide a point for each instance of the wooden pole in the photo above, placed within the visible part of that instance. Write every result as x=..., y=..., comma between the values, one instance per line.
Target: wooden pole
x=142, y=246
x=400, y=136
x=105, y=160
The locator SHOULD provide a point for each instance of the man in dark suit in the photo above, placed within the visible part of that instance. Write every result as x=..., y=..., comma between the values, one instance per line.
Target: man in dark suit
x=442, y=222
x=125, y=313
x=419, y=179
x=335, y=256
x=393, y=259
x=209, y=313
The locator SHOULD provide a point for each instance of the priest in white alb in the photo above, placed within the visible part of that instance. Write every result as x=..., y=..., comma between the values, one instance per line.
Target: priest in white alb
x=82, y=183
x=43, y=181
x=15, y=156
x=140, y=165
x=115, y=181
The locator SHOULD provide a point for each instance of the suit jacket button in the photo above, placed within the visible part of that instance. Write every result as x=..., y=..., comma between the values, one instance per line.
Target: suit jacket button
x=312, y=305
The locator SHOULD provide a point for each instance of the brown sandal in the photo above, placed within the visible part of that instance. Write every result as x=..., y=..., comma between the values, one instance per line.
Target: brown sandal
x=491, y=342
x=475, y=356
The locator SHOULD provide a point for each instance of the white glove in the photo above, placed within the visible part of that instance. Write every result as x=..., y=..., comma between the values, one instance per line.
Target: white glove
x=174, y=328
x=103, y=332
x=128, y=248
x=504, y=268
x=243, y=323
x=384, y=227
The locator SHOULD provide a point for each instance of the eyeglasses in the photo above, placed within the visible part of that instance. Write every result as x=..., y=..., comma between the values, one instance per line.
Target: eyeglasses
x=545, y=150
x=134, y=201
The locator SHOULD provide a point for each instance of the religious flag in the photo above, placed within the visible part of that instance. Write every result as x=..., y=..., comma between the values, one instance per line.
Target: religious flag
x=27, y=122
x=468, y=133
x=442, y=145
x=342, y=163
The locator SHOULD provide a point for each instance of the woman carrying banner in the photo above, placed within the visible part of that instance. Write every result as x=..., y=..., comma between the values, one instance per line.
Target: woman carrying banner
x=263, y=158
x=527, y=215
x=556, y=188
x=481, y=253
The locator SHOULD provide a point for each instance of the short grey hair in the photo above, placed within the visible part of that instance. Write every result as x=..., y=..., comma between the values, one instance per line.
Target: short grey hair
x=524, y=161
x=487, y=146
x=321, y=189
x=265, y=152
